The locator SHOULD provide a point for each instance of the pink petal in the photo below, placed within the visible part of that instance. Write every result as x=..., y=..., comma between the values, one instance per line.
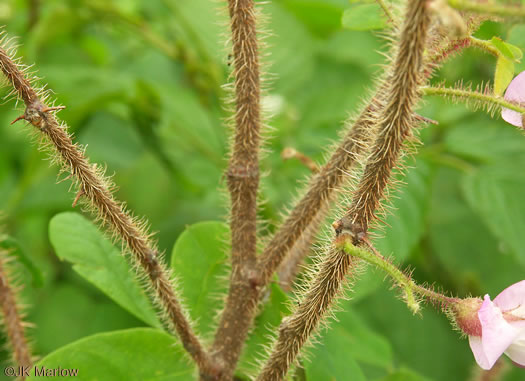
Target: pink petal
x=512, y=297
x=496, y=334
x=479, y=353
x=515, y=92
x=516, y=351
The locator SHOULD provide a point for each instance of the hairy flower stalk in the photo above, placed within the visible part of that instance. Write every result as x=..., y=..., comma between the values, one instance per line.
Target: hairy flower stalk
x=395, y=122
x=13, y=324
x=94, y=189
x=243, y=182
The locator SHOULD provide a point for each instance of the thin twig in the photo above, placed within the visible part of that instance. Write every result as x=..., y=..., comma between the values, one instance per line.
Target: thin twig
x=243, y=182
x=291, y=153
x=475, y=96
x=95, y=189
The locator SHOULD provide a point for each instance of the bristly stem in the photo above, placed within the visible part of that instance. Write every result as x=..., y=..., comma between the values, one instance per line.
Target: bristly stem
x=410, y=288
x=95, y=192
x=295, y=330
x=323, y=188
x=12, y=318
x=291, y=265
x=326, y=184
x=476, y=96
x=243, y=182
x=395, y=121
x=484, y=45
x=488, y=8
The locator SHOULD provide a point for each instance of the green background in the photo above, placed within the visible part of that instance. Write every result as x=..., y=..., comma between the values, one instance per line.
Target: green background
x=142, y=82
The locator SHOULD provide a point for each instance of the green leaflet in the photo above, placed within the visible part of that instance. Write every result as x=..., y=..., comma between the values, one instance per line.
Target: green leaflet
x=78, y=241
x=140, y=354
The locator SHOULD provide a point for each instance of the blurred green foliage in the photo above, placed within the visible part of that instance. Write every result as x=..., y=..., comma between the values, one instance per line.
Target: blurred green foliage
x=143, y=85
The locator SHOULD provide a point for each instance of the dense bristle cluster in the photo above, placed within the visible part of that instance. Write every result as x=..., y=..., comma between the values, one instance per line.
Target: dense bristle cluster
x=12, y=316
x=95, y=191
x=395, y=121
x=394, y=118
x=243, y=182
x=296, y=329
x=323, y=189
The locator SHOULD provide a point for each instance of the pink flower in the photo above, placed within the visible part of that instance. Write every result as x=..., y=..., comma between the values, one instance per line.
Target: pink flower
x=515, y=93
x=500, y=327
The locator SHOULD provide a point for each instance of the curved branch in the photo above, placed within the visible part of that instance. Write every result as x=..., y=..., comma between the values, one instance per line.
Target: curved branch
x=95, y=190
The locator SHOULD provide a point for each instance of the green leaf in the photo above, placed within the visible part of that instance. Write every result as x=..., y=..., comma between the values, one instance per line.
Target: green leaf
x=364, y=17
x=292, y=67
x=126, y=145
x=503, y=75
x=516, y=36
x=199, y=260
x=495, y=192
x=479, y=139
x=140, y=354
x=331, y=363
x=470, y=258
x=81, y=301
x=510, y=51
x=78, y=241
x=516, y=51
x=499, y=44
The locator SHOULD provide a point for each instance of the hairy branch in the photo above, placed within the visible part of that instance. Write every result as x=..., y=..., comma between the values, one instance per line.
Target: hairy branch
x=243, y=182
x=12, y=317
x=295, y=330
x=95, y=191
x=321, y=191
x=291, y=265
x=395, y=122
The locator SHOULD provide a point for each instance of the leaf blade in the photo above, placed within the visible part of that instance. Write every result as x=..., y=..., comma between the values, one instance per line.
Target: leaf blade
x=79, y=242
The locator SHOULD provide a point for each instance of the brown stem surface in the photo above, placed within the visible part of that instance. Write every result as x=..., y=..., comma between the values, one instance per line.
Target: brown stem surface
x=94, y=188
x=12, y=319
x=395, y=121
x=321, y=191
x=295, y=330
x=243, y=182
x=291, y=265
